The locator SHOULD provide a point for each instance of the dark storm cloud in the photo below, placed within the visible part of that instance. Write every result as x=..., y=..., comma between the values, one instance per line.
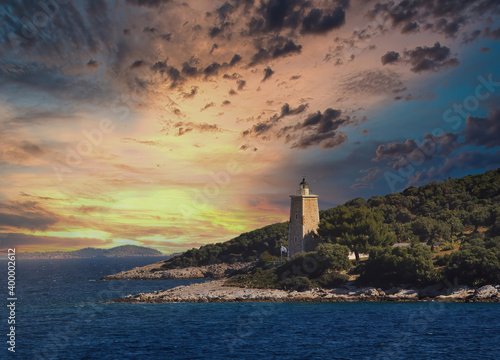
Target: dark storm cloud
x=262, y=128
x=319, y=22
x=236, y=59
x=273, y=16
x=318, y=129
x=410, y=27
x=93, y=64
x=137, y=64
x=449, y=28
x=445, y=16
x=483, y=131
x=189, y=70
x=268, y=72
x=241, y=84
x=212, y=69
x=26, y=215
x=424, y=58
x=276, y=47
x=390, y=57
x=442, y=145
x=325, y=141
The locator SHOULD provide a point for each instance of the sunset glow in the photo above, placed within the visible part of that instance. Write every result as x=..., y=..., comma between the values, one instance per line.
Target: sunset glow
x=176, y=124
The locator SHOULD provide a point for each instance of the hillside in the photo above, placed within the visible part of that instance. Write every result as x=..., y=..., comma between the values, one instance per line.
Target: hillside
x=435, y=213
x=119, y=251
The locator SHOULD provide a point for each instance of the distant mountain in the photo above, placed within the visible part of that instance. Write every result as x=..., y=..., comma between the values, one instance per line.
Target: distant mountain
x=119, y=251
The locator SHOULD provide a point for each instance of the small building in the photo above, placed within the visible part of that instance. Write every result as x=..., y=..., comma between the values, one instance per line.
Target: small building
x=304, y=221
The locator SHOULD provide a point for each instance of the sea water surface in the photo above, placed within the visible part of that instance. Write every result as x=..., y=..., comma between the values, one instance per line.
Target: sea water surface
x=61, y=314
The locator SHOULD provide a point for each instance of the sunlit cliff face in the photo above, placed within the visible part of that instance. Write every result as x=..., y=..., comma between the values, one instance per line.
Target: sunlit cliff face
x=173, y=125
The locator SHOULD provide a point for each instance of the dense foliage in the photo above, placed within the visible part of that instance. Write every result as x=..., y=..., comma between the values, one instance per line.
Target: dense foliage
x=461, y=213
x=476, y=263
x=246, y=247
x=321, y=268
x=359, y=228
x=387, y=267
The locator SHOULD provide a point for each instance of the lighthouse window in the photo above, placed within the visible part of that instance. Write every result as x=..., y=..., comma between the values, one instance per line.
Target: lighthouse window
x=296, y=216
x=295, y=239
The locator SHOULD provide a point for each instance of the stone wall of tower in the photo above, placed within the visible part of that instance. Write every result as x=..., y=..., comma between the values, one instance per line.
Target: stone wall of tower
x=311, y=222
x=296, y=229
x=304, y=221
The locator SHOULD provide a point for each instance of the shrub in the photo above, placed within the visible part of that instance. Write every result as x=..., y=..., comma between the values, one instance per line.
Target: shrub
x=299, y=283
x=393, y=266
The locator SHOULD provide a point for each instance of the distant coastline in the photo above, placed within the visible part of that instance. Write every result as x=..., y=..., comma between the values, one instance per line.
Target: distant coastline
x=116, y=252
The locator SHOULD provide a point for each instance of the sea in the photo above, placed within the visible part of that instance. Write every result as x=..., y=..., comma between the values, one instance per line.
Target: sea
x=61, y=313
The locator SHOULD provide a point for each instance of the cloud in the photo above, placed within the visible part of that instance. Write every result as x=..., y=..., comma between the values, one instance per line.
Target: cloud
x=93, y=64
x=483, y=131
x=262, y=128
x=466, y=160
x=191, y=93
x=241, y=84
x=494, y=34
x=25, y=215
x=183, y=128
x=137, y=64
x=318, y=129
x=470, y=38
x=276, y=47
x=319, y=22
x=207, y=106
x=268, y=72
x=430, y=146
x=277, y=15
x=373, y=81
x=430, y=58
x=390, y=57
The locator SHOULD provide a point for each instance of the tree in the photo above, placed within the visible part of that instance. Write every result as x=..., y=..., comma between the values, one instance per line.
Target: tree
x=392, y=266
x=334, y=257
x=476, y=263
x=359, y=229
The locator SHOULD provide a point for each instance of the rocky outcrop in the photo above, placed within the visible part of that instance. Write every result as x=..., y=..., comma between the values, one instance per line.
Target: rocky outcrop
x=217, y=291
x=151, y=272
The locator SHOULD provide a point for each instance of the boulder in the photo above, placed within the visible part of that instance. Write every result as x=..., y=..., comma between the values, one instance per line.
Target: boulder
x=486, y=292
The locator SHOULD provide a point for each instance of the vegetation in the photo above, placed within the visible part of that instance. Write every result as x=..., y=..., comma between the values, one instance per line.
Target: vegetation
x=458, y=214
x=387, y=267
x=476, y=263
x=246, y=247
x=322, y=268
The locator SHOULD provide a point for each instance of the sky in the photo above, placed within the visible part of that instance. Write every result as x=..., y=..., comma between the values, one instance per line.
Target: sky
x=174, y=124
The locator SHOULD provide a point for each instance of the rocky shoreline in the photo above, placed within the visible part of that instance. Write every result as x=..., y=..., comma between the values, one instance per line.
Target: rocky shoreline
x=216, y=271
x=217, y=291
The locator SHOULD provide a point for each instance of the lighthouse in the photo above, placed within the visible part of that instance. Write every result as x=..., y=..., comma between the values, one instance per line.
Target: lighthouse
x=304, y=221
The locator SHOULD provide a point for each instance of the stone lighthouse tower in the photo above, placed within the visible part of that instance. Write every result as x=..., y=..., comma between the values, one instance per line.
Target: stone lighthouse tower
x=304, y=221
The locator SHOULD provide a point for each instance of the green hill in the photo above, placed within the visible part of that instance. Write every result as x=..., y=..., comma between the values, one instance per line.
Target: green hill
x=435, y=213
